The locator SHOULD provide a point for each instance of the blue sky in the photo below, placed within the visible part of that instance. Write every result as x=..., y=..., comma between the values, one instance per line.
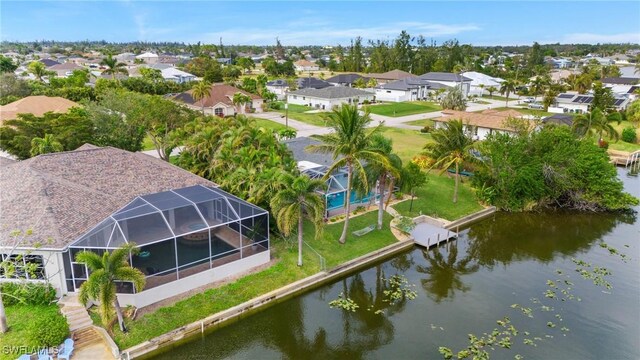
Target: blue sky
x=321, y=23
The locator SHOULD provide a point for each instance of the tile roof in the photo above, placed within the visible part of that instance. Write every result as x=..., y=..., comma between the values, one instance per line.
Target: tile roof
x=620, y=80
x=332, y=92
x=60, y=196
x=69, y=66
x=305, y=63
x=220, y=93
x=36, y=105
x=486, y=119
x=312, y=83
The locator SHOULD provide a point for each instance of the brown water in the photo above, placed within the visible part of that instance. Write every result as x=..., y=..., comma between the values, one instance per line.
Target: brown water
x=463, y=287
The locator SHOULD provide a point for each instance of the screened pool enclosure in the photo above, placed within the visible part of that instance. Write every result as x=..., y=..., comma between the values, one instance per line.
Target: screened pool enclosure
x=179, y=232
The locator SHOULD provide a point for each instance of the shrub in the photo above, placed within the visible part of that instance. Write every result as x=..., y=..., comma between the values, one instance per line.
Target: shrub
x=48, y=330
x=27, y=293
x=399, y=195
x=629, y=134
x=366, y=102
x=426, y=129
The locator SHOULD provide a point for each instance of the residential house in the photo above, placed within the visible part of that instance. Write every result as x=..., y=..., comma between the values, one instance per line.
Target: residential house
x=449, y=79
x=225, y=61
x=480, y=82
x=278, y=87
x=170, y=73
x=315, y=166
x=622, y=86
x=190, y=233
x=480, y=125
x=305, y=65
x=389, y=76
x=37, y=105
x=407, y=89
x=148, y=58
x=580, y=103
x=600, y=60
x=65, y=70
x=311, y=83
x=329, y=97
x=126, y=57
x=220, y=101
x=49, y=62
x=346, y=79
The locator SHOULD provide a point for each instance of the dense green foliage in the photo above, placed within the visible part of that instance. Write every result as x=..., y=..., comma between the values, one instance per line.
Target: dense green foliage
x=26, y=322
x=27, y=293
x=548, y=168
x=629, y=134
x=48, y=330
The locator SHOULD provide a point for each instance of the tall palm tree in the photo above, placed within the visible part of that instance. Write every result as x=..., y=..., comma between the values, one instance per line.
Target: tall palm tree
x=491, y=90
x=385, y=174
x=350, y=145
x=451, y=147
x=240, y=99
x=105, y=271
x=538, y=86
x=507, y=87
x=38, y=69
x=201, y=90
x=298, y=200
x=597, y=123
x=113, y=66
x=45, y=145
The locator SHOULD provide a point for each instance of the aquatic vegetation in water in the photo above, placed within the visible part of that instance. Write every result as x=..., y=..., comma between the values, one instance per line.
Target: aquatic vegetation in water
x=399, y=290
x=344, y=302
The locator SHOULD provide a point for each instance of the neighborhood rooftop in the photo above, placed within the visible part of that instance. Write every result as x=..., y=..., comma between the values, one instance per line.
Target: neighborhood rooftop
x=70, y=192
x=36, y=105
x=443, y=76
x=332, y=92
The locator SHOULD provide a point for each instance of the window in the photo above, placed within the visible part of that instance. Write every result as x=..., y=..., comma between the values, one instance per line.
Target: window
x=21, y=266
x=295, y=97
x=388, y=91
x=219, y=112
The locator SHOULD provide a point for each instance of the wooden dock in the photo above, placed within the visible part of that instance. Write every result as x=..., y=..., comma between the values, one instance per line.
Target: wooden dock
x=624, y=158
x=428, y=235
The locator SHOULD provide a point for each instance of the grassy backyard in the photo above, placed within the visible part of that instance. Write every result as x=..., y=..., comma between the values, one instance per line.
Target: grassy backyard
x=20, y=319
x=406, y=143
x=283, y=272
x=421, y=122
x=299, y=112
x=404, y=108
x=436, y=199
x=268, y=124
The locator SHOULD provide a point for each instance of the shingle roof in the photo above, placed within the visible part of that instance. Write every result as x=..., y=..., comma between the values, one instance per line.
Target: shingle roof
x=65, y=66
x=391, y=75
x=405, y=84
x=444, y=76
x=60, y=196
x=49, y=62
x=220, y=93
x=36, y=105
x=278, y=82
x=332, y=92
x=311, y=83
x=490, y=120
x=346, y=78
x=620, y=80
x=559, y=119
x=298, y=145
x=6, y=161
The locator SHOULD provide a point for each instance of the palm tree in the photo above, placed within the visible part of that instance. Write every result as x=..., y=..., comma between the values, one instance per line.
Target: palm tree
x=597, y=123
x=350, y=144
x=101, y=284
x=113, y=66
x=451, y=147
x=45, y=145
x=491, y=90
x=38, y=69
x=201, y=90
x=298, y=200
x=481, y=86
x=240, y=99
x=385, y=174
x=538, y=85
x=507, y=87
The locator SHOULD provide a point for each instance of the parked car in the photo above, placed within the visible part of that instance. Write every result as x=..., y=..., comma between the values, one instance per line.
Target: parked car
x=529, y=100
x=536, y=106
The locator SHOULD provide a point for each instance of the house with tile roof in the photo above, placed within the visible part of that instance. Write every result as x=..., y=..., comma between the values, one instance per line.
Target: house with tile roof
x=329, y=97
x=480, y=125
x=393, y=75
x=305, y=65
x=36, y=105
x=220, y=101
x=65, y=69
x=190, y=233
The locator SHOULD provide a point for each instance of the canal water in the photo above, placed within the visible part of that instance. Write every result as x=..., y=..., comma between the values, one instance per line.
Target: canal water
x=463, y=288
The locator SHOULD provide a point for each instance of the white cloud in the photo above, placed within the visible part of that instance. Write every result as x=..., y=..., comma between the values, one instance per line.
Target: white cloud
x=588, y=38
x=322, y=32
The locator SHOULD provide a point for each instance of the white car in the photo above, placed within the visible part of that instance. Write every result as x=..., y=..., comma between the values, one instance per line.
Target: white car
x=536, y=106
x=529, y=100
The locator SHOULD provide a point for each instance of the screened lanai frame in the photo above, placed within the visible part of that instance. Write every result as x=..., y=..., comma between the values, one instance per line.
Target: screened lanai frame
x=184, y=231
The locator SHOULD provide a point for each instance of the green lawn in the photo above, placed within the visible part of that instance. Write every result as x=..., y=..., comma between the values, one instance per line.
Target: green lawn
x=298, y=112
x=421, y=122
x=436, y=199
x=147, y=144
x=404, y=108
x=19, y=319
x=268, y=124
x=406, y=143
x=283, y=272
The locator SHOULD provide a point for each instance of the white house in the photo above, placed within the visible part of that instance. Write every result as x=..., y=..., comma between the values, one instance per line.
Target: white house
x=580, y=103
x=278, y=87
x=480, y=82
x=407, y=89
x=450, y=80
x=148, y=57
x=126, y=57
x=305, y=65
x=327, y=98
x=176, y=75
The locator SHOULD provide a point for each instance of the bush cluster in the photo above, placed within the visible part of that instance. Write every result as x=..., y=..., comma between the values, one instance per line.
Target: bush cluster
x=629, y=134
x=27, y=293
x=48, y=330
